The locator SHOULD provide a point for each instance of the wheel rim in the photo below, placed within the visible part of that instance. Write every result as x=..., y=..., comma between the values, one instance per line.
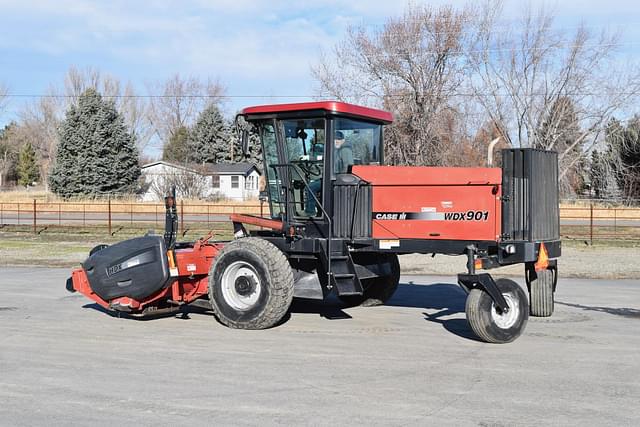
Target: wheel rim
x=508, y=319
x=241, y=286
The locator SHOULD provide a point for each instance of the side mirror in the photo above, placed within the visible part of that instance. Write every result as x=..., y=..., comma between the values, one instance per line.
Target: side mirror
x=245, y=142
x=243, y=128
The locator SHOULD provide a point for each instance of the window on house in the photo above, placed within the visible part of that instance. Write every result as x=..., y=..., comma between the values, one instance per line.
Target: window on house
x=249, y=183
x=215, y=181
x=235, y=181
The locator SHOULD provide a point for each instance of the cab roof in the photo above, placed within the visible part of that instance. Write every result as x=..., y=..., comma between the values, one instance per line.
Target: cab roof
x=329, y=106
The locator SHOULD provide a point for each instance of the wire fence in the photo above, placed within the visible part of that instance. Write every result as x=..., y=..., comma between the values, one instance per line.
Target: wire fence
x=580, y=220
x=113, y=217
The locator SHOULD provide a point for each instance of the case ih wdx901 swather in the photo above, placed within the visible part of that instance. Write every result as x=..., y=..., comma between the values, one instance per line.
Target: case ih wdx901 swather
x=339, y=220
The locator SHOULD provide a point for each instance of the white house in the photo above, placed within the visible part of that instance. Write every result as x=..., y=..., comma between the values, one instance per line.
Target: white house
x=237, y=181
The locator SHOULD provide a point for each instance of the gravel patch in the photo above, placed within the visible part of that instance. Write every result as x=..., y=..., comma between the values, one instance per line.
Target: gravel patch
x=591, y=262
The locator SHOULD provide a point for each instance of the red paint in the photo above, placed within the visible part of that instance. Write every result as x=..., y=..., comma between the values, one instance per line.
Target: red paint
x=192, y=281
x=331, y=106
x=426, y=175
x=258, y=221
x=442, y=191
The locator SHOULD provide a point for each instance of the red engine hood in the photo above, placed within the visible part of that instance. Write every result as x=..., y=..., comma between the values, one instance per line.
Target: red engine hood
x=419, y=175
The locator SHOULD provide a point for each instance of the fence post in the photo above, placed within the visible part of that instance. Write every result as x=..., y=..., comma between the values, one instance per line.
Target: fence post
x=84, y=214
x=182, y=217
x=34, y=217
x=131, y=210
x=2, y=213
x=615, y=223
x=208, y=222
x=59, y=214
x=18, y=213
x=109, y=213
x=156, y=210
x=591, y=223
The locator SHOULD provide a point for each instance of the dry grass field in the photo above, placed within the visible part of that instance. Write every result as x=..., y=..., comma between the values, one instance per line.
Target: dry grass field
x=48, y=202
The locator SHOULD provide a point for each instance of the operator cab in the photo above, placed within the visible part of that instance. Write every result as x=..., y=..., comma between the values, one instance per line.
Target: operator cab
x=307, y=145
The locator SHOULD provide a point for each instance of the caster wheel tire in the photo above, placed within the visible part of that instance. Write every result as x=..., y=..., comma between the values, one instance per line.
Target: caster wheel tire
x=492, y=326
x=541, y=286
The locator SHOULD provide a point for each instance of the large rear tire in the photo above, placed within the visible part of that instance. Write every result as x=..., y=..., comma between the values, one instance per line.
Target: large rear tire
x=494, y=327
x=541, y=288
x=378, y=290
x=250, y=284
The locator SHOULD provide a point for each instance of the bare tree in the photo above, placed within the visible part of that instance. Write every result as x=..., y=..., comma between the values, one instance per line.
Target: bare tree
x=4, y=97
x=412, y=66
x=39, y=123
x=537, y=82
x=445, y=74
x=8, y=152
x=132, y=107
x=176, y=102
x=188, y=184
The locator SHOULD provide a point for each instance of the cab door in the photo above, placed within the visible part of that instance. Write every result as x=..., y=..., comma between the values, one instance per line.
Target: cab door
x=272, y=172
x=304, y=146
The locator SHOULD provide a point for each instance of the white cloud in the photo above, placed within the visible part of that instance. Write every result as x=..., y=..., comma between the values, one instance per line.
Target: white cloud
x=255, y=46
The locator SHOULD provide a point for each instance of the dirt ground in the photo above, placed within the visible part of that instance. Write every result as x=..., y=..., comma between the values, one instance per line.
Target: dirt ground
x=578, y=259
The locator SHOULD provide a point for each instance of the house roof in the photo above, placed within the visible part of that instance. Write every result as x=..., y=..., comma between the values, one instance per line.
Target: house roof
x=210, y=168
x=169, y=164
x=229, y=168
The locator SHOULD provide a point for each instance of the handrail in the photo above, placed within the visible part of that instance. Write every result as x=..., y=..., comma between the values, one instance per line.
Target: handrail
x=298, y=170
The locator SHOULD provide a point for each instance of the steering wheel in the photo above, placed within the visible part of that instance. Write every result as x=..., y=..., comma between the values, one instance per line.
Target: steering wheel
x=310, y=167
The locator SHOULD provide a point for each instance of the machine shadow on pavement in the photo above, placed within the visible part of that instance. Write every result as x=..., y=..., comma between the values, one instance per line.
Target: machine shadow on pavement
x=181, y=313
x=448, y=298
x=633, y=313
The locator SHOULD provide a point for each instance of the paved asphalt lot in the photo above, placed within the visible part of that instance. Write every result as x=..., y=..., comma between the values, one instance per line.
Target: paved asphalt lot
x=412, y=362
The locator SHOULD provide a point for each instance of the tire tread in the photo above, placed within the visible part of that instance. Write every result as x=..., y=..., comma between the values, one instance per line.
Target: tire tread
x=280, y=288
x=541, y=294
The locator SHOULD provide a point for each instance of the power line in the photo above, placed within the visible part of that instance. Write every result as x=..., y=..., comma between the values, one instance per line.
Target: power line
x=505, y=49
x=500, y=28
x=323, y=96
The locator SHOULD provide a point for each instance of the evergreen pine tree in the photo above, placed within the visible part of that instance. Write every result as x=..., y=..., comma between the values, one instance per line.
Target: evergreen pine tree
x=628, y=149
x=177, y=149
x=96, y=155
x=28, y=172
x=605, y=164
x=211, y=138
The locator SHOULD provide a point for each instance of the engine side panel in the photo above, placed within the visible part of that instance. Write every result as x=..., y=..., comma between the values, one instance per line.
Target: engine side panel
x=435, y=203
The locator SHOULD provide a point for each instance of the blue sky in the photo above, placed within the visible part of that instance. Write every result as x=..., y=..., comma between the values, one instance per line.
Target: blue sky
x=254, y=47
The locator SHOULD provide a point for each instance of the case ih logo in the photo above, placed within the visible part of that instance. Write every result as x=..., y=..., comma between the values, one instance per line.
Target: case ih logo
x=396, y=215
x=433, y=216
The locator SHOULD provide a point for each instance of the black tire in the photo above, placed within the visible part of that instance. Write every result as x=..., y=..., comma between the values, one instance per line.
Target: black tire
x=256, y=291
x=379, y=290
x=541, y=286
x=487, y=324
